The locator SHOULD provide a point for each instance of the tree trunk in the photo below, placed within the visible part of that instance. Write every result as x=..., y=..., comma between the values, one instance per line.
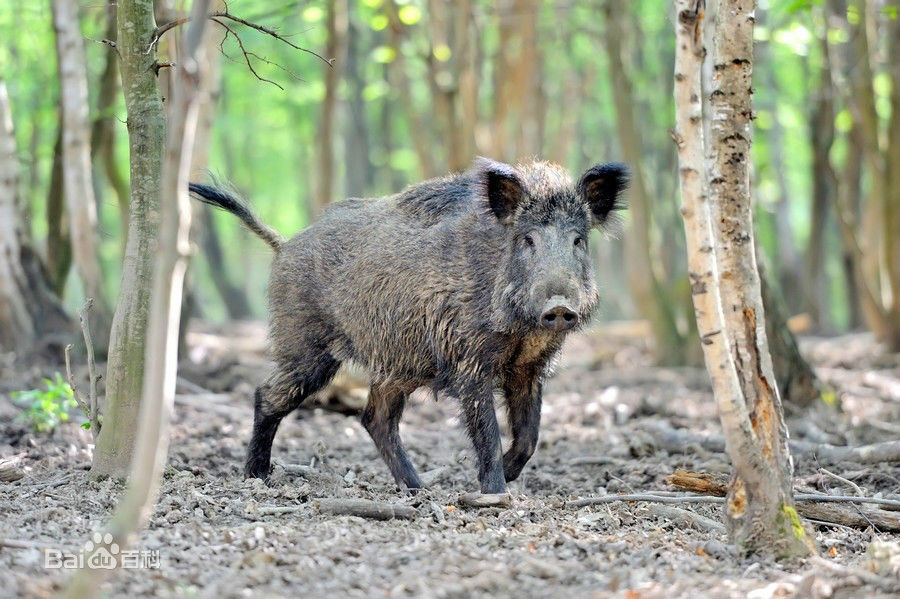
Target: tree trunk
x=76, y=162
x=59, y=242
x=358, y=166
x=892, y=201
x=146, y=132
x=418, y=127
x=824, y=188
x=714, y=156
x=103, y=131
x=236, y=303
x=797, y=383
x=161, y=354
x=336, y=25
x=645, y=288
x=28, y=307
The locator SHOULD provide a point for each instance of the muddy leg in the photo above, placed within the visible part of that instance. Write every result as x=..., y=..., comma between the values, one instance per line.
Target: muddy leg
x=477, y=400
x=523, y=404
x=278, y=397
x=381, y=419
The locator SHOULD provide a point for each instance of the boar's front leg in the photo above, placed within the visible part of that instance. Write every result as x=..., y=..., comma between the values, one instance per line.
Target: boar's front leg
x=477, y=399
x=523, y=405
x=381, y=418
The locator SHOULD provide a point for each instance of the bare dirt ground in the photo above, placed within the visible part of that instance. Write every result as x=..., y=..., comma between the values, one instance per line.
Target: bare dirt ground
x=218, y=535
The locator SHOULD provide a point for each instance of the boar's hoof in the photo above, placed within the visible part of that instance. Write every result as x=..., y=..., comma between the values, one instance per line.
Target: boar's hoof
x=254, y=470
x=477, y=500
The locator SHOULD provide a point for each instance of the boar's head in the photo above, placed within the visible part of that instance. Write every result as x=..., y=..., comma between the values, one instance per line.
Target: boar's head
x=545, y=279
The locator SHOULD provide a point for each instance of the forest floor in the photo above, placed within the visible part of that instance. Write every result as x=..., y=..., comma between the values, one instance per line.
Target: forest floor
x=218, y=537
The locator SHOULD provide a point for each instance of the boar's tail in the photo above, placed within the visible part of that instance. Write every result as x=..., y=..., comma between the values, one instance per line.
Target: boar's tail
x=221, y=198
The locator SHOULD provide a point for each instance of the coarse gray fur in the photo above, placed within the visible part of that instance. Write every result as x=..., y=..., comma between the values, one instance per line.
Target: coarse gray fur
x=466, y=284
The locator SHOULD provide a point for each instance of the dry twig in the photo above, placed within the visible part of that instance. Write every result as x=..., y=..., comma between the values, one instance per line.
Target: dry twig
x=365, y=509
x=89, y=406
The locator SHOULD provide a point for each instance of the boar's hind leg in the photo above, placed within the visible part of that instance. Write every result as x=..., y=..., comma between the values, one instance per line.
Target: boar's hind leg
x=477, y=399
x=523, y=405
x=381, y=418
x=279, y=396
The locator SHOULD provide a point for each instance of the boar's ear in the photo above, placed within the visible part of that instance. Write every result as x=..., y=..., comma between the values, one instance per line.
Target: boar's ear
x=601, y=187
x=500, y=188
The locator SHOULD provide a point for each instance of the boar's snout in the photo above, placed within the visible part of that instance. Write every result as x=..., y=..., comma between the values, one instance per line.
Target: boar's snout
x=558, y=315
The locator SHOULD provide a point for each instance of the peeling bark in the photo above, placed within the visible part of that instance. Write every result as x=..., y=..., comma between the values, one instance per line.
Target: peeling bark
x=713, y=113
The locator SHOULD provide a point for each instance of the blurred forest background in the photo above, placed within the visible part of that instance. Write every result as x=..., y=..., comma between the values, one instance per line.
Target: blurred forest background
x=418, y=88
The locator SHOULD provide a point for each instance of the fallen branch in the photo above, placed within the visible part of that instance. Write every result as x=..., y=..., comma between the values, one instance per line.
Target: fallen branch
x=365, y=509
x=212, y=402
x=576, y=503
x=676, y=441
x=686, y=518
x=809, y=505
x=717, y=484
x=272, y=510
x=856, y=517
x=886, y=584
x=480, y=500
x=9, y=468
x=699, y=482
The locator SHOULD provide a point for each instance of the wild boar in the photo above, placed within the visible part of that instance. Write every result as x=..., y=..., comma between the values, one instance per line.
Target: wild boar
x=467, y=284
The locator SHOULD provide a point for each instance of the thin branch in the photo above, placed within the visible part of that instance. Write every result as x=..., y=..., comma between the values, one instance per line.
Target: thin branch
x=841, y=479
x=82, y=403
x=90, y=405
x=228, y=30
x=93, y=414
x=215, y=16
x=162, y=29
x=272, y=33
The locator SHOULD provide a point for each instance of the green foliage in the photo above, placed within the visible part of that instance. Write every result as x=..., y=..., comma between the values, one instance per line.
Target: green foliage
x=265, y=139
x=47, y=408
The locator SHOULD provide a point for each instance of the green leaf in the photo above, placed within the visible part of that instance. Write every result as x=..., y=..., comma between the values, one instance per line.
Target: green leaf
x=409, y=14
x=384, y=54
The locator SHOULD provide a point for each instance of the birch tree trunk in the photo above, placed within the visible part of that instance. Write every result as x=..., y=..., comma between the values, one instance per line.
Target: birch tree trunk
x=76, y=161
x=146, y=132
x=714, y=155
x=161, y=356
x=28, y=306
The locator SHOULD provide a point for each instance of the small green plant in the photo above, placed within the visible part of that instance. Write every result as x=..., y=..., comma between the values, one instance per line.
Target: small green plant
x=47, y=408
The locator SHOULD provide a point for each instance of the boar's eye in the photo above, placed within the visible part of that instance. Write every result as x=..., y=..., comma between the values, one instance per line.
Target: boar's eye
x=579, y=241
x=529, y=240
